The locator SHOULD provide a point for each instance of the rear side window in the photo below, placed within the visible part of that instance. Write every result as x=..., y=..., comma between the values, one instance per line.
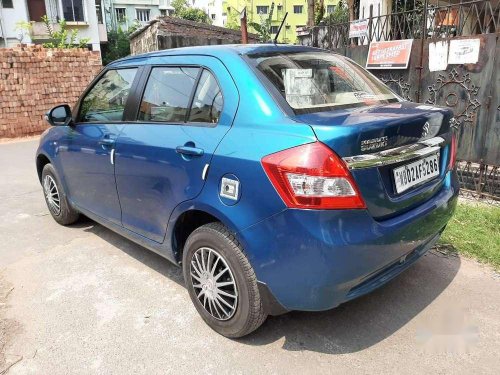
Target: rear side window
x=207, y=102
x=107, y=98
x=167, y=94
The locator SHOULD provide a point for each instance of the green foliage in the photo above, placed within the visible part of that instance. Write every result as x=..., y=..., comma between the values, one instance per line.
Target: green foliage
x=233, y=21
x=319, y=12
x=178, y=5
x=339, y=15
x=182, y=10
x=63, y=38
x=474, y=230
x=195, y=14
x=118, y=45
x=24, y=28
x=263, y=27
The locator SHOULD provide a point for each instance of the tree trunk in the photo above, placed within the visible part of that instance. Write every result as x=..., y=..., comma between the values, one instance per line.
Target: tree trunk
x=310, y=13
x=350, y=4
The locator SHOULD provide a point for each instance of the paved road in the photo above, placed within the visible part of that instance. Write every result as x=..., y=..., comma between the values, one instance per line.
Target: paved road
x=82, y=300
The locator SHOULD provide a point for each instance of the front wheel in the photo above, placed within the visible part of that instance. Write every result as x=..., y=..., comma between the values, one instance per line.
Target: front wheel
x=221, y=281
x=55, y=197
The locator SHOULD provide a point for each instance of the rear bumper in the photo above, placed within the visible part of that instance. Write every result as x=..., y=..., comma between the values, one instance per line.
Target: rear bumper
x=317, y=259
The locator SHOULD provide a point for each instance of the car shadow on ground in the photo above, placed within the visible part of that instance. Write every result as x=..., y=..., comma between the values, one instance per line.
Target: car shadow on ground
x=351, y=327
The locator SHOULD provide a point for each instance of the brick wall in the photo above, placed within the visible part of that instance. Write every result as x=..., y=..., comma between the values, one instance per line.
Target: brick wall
x=34, y=79
x=172, y=32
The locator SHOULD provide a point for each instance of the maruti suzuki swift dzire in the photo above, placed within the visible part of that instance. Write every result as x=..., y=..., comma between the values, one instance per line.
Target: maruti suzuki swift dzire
x=279, y=177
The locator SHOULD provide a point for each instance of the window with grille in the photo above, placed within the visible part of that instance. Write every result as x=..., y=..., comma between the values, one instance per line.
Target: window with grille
x=73, y=10
x=121, y=14
x=262, y=9
x=330, y=9
x=297, y=9
x=142, y=15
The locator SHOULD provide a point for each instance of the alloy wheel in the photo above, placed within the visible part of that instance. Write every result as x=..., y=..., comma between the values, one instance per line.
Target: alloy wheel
x=213, y=283
x=52, y=194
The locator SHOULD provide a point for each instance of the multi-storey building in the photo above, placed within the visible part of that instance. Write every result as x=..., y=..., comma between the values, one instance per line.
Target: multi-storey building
x=84, y=15
x=125, y=13
x=211, y=7
x=262, y=9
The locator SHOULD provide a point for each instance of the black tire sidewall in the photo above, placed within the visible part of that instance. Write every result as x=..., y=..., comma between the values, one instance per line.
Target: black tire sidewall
x=238, y=322
x=67, y=214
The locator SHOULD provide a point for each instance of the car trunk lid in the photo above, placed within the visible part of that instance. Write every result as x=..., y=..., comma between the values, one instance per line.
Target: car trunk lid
x=376, y=140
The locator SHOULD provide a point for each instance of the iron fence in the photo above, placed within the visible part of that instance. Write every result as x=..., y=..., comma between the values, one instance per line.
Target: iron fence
x=414, y=19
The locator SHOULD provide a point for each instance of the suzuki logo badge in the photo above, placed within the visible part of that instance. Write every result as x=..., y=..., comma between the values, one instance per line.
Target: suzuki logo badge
x=425, y=130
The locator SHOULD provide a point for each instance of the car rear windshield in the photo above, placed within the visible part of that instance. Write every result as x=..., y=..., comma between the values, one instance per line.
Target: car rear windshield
x=319, y=81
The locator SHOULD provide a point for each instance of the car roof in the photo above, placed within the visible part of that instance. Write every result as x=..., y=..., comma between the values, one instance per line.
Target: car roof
x=220, y=51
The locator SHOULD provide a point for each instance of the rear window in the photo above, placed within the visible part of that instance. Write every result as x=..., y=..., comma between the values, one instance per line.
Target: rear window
x=319, y=81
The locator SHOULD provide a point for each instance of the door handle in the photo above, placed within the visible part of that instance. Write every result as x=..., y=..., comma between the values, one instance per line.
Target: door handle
x=187, y=150
x=106, y=141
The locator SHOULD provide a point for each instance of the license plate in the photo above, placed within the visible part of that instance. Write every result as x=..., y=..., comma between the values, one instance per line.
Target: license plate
x=415, y=173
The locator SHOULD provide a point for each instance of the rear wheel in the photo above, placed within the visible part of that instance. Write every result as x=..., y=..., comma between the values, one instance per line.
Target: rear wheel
x=221, y=281
x=55, y=197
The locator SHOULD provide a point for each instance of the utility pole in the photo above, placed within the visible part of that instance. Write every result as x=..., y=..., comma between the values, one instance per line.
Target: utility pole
x=310, y=13
x=243, y=22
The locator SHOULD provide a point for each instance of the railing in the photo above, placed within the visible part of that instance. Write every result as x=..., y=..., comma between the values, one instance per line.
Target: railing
x=440, y=20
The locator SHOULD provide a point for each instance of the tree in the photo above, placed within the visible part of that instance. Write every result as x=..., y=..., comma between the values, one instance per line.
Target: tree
x=182, y=10
x=195, y=14
x=340, y=14
x=319, y=12
x=264, y=27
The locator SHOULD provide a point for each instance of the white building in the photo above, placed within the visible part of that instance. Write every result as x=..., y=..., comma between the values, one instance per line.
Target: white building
x=211, y=7
x=84, y=15
x=125, y=13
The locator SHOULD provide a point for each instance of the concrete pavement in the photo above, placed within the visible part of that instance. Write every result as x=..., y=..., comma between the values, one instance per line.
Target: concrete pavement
x=83, y=300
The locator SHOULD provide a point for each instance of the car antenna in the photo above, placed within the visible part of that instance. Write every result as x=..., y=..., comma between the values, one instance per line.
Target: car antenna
x=275, y=40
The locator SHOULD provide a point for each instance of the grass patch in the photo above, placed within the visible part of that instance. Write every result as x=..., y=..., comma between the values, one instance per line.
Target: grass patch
x=474, y=231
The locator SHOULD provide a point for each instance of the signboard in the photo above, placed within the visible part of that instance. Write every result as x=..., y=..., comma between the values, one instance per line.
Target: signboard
x=394, y=54
x=464, y=51
x=438, y=56
x=358, y=28
x=302, y=30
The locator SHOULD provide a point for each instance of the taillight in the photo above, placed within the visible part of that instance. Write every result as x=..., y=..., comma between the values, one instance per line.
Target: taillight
x=312, y=176
x=453, y=151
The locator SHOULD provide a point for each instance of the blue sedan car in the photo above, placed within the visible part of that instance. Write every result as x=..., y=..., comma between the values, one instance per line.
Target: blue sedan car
x=279, y=177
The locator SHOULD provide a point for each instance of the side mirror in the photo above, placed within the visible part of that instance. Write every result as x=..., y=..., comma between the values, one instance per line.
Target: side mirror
x=59, y=116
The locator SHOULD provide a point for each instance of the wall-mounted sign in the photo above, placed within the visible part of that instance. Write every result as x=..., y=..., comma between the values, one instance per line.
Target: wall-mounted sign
x=394, y=54
x=358, y=28
x=302, y=30
x=438, y=56
x=464, y=51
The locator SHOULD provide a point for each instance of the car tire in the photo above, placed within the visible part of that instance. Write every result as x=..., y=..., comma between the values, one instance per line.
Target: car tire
x=214, y=246
x=55, y=197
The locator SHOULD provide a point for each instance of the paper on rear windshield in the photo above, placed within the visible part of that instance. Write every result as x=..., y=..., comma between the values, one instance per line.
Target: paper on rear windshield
x=303, y=88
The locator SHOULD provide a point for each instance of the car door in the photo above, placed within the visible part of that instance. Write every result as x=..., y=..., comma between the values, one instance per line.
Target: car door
x=187, y=105
x=87, y=155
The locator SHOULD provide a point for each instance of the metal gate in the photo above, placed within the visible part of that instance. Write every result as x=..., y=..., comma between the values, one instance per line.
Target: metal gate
x=470, y=90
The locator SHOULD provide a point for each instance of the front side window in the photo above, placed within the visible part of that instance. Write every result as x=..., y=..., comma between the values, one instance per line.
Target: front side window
x=167, y=94
x=8, y=4
x=207, y=101
x=297, y=9
x=73, y=10
x=274, y=29
x=262, y=9
x=330, y=9
x=142, y=15
x=106, y=100
x=318, y=81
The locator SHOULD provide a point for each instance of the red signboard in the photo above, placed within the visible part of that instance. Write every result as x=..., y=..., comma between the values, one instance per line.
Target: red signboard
x=394, y=54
